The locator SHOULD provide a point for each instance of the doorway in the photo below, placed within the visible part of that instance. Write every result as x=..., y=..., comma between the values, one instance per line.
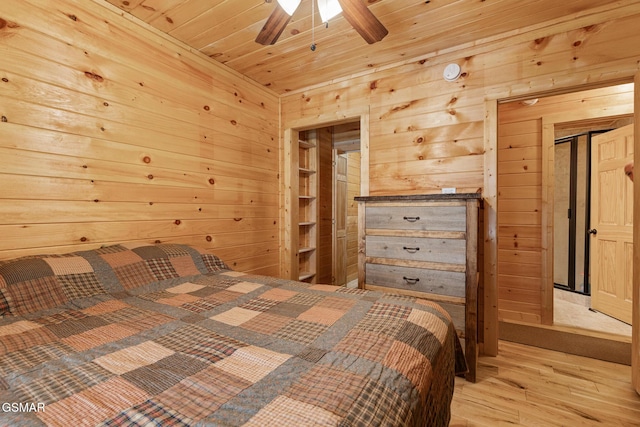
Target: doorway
x=339, y=178
x=527, y=131
x=575, y=264
x=341, y=173
x=577, y=249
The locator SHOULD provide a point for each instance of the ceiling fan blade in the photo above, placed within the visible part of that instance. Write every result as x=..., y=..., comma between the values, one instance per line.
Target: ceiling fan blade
x=363, y=20
x=274, y=26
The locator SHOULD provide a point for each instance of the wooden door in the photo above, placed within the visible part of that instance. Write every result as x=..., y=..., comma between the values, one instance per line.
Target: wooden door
x=612, y=224
x=340, y=218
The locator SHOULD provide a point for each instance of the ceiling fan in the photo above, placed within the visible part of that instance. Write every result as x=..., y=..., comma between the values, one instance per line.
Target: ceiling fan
x=354, y=11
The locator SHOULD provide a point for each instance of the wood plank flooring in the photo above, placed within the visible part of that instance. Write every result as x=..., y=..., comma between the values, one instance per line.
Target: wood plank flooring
x=530, y=386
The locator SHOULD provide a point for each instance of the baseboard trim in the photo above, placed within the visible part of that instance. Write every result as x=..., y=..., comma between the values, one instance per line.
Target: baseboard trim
x=572, y=341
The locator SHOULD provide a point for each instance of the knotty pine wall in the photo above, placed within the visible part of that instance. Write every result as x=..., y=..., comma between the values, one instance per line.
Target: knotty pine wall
x=112, y=132
x=425, y=133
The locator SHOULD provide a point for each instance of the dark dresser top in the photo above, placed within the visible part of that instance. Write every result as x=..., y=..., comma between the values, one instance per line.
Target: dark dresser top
x=413, y=197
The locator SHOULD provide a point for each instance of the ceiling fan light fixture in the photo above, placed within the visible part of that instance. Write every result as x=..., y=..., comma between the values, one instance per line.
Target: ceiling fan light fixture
x=328, y=9
x=289, y=6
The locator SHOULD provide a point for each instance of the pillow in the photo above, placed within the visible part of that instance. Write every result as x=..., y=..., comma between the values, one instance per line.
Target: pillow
x=35, y=283
x=40, y=282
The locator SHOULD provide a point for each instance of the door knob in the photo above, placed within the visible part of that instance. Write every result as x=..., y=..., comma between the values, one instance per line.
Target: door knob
x=593, y=231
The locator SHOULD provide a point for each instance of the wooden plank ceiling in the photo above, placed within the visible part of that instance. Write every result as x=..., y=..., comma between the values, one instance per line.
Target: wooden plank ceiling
x=225, y=30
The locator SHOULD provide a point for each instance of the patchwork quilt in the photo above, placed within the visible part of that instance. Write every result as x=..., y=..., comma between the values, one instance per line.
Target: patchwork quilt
x=168, y=335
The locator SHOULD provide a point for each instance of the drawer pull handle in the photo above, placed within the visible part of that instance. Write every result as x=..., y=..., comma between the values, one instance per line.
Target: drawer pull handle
x=410, y=280
x=411, y=250
x=411, y=218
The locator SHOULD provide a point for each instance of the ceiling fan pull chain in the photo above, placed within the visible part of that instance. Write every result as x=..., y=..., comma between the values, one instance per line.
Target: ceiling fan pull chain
x=313, y=25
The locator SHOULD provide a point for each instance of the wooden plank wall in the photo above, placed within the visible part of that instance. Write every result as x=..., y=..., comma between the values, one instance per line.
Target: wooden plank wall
x=426, y=133
x=521, y=257
x=112, y=132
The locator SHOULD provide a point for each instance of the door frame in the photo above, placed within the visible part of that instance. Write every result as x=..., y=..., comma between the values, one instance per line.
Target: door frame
x=549, y=123
x=289, y=144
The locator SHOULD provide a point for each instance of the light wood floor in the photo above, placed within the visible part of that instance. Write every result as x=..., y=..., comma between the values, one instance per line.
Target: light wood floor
x=530, y=386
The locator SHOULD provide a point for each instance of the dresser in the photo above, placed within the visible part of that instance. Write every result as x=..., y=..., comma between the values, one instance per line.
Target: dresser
x=425, y=246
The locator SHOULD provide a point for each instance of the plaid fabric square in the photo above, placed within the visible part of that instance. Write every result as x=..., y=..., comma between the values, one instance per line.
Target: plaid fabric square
x=277, y=294
x=311, y=354
x=267, y=323
x=105, y=307
x=50, y=388
x=352, y=291
x=200, y=342
x=343, y=304
x=222, y=297
x=36, y=294
x=389, y=310
x=21, y=361
x=301, y=331
x=165, y=373
x=134, y=275
x=184, y=266
x=258, y=304
x=177, y=300
x=21, y=339
x=419, y=338
x=244, y=287
x=148, y=413
x=121, y=258
x=288, y=309
x=284, y=411
x=134, y=357
x=162, y=269
x=24, y=270
x=216, y=281
x=213, y=263
x=185, y=288
x=431, y=320
x=371, y=408
x=149, y=252
x=155, y=296
x=235, y=316
x=365, y=344
x=410, y=363
x=174, y=250
x=199, y=395
x=306, y=299
x=111, y=249
x=328, y=387
x=63, y=265
x=125, y=314
x=75, y=327
x=252, y=363
x=91, y=406
x=98, y=336
x=200, y=306
x=81, y=285
x=380, y=325
x=322, y=315
x=63, y=316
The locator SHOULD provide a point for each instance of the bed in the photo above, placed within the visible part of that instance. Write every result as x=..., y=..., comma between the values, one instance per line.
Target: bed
x=169, y=335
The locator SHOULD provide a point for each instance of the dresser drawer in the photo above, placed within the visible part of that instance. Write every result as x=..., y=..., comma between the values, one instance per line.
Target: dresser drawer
x=449, y=283
x=431, y=218
x=449, y=251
